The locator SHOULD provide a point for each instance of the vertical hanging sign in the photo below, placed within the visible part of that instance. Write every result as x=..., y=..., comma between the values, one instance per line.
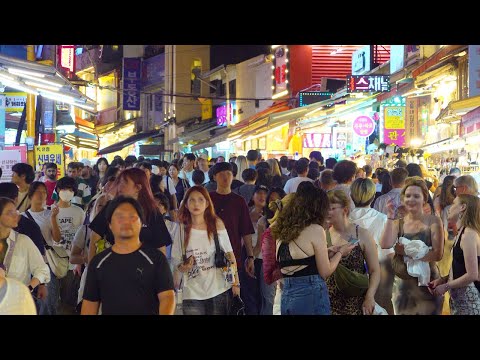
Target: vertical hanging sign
x=132, y=77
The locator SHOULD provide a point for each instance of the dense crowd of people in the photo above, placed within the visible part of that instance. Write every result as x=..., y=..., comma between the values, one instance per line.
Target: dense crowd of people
x=202, y=236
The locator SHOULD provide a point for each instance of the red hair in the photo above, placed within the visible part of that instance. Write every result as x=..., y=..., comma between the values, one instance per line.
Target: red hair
x=209, y=214
x=145, y=195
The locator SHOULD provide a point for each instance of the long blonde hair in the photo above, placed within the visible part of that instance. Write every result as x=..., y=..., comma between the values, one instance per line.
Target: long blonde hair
x=274, y=168
x=241, y=162
x=472, y=212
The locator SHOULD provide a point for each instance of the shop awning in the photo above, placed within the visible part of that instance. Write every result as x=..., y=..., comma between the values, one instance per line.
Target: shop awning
x=80, y=139
x=258, y=120
x=38, y=79
x=456, y=109
x=442, y=55
x=129, y=141
x=213, y=141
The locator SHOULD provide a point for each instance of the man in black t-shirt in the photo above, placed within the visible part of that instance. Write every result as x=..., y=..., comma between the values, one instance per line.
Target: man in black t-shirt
x=128, y=278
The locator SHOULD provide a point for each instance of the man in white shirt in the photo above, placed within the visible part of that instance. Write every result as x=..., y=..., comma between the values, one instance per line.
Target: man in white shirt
x=69, y=219
x=187, y=168
x=301, y=166
x=203, y=166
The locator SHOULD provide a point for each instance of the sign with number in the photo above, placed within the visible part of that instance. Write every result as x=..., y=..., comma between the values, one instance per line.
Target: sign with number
x=51, y=153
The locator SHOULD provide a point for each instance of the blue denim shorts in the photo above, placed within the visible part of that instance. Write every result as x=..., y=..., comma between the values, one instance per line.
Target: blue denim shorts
x=305, y=295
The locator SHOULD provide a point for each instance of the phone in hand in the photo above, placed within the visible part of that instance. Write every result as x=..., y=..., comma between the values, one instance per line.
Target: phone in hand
x=353, y=241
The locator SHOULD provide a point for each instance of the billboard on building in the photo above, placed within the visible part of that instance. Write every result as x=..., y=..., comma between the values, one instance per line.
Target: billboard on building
x=132, y=77
x=473, y=70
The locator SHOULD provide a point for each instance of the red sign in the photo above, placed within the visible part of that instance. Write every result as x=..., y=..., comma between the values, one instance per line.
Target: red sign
x=317, y=140
x=67, y=57
x=363, y=126
x=470, y=122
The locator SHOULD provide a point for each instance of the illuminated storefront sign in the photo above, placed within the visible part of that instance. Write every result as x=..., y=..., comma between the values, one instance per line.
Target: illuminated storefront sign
x=280, y=71
x=311, y=97
x=67, y=57
x=394, y=125
x=363, y=126
x=315, y=140
x=368, y=83
x=221, y=113
x=361, y=60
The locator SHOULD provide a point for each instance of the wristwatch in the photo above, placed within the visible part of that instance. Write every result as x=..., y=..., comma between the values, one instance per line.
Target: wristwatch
x=251, y=257
x=30, y=288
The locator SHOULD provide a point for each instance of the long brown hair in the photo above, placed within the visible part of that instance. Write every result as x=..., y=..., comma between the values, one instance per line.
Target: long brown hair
x=472, y=211
x=145, y=196
x=209, y=214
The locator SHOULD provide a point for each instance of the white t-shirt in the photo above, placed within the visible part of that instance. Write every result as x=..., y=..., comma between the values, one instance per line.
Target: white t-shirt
x=16, y=299
x=25, y=203
x=186, y=175
x=42, y=218
x=69, y=220
x=204, y=281
x=292, y=184
x=171, y=185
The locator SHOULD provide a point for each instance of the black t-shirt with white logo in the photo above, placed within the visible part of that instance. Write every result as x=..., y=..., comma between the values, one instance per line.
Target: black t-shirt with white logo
x=128, y=284
x=154, y=233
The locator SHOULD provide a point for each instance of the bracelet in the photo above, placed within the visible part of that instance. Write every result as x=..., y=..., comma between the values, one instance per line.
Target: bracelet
x=237, y=285
x=391, y=218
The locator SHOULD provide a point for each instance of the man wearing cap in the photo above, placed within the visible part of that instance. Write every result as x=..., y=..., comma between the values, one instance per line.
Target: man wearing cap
x=233, y=210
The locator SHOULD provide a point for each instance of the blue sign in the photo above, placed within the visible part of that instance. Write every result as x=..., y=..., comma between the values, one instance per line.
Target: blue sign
x=132, y=72
x=153, y=70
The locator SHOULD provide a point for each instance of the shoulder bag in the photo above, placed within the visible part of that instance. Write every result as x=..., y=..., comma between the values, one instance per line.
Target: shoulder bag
x=349, y=282
x=58, y=264
x=399, y=266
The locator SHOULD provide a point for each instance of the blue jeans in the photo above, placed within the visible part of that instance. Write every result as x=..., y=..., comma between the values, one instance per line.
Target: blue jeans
x=218, y=305
x=305, y=295
x=267, y=292
x=50, y=305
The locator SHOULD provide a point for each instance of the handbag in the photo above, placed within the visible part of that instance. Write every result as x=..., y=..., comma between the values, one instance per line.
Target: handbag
x=220, y=260
x=350, y=283
x=58, y=264
x=237, y=307
x=398, y=265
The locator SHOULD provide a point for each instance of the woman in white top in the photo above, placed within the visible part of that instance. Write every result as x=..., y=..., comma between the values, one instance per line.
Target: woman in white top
x=206, y=291
x=15, y=299
x=39, y=213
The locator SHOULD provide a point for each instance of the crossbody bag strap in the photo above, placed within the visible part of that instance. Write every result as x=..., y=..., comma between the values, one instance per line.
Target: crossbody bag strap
x=31, y=218
x=20, y=205
x=8, y=258
x=217, y=243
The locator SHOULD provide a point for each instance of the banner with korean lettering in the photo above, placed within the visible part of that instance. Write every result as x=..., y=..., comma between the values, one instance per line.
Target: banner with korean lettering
x=411, y=126
x=132, y=83
x=280, y=69
x=8, y=158
x=317, y=140
x=394, y=125
x=22, y=149
x=51, y=153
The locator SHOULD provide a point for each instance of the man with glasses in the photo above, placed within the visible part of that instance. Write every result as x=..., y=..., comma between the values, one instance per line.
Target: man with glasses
x=465, y=184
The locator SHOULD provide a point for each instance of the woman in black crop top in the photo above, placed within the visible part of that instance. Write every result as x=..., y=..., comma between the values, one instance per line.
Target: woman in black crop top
x=302, y=253
x=462, y=282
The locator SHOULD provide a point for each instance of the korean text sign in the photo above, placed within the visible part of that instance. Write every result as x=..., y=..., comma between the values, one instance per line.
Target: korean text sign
x=132, y=78
x=363, y=126
x=8, y=158
x=51, y=153
x=368, y=83
x=394, y=125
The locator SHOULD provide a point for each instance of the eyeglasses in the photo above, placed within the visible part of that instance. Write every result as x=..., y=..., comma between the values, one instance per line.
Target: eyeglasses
x=337, y=207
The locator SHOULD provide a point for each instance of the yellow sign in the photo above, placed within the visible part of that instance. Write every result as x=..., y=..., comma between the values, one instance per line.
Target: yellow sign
x=207, y=112
x=51, y=153
x=394, y=117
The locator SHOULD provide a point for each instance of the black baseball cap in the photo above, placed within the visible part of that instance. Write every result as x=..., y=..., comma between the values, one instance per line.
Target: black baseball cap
x=223, y=166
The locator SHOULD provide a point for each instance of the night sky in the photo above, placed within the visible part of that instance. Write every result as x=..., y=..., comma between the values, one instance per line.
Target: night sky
x=233, y=54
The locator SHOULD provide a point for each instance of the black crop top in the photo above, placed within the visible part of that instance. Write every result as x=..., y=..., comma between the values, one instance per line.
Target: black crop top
x=458, y=263
x=284, y=258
